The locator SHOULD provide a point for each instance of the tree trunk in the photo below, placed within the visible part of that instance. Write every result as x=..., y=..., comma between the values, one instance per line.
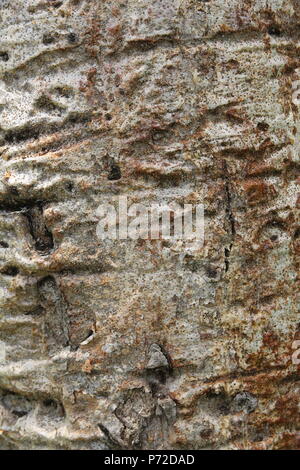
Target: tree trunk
x=145, y=343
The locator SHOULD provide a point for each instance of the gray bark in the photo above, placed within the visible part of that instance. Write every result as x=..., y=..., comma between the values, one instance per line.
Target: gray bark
x=138, y=343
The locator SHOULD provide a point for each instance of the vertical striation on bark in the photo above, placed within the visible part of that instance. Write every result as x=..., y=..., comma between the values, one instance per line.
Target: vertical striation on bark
x=124, y=344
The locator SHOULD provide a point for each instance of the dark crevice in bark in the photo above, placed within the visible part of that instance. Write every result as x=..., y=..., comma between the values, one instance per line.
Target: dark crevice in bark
x=114, y=173
x=54, y=407
x=111, y=441
x=35, y=312
x=33, y=132
x=33, y=212
x=41, y=235
x=18, y=404
x=13, y=202
x=149, y=44
x=229, y=217
x=10, y=271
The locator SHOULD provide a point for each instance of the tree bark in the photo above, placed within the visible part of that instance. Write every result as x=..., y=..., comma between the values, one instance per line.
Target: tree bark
x=143, y=344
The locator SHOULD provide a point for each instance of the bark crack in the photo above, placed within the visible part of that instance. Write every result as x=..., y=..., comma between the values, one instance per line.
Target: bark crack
x=229, y=217
x=40, y=233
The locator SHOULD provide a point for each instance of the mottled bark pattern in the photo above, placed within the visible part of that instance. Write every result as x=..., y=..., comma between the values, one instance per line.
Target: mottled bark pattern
x=140, y=344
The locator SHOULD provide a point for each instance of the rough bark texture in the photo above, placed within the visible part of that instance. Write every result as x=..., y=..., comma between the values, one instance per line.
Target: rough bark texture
x=139, y=344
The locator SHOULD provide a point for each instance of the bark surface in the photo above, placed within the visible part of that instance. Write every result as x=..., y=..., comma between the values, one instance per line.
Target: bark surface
x=127, y=344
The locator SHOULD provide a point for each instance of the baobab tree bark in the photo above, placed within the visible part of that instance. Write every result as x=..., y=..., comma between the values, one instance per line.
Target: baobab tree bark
x=131, y=343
